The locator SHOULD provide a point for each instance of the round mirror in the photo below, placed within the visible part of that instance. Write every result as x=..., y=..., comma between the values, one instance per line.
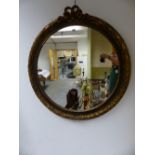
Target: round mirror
x=79, y=65
x=78, y=68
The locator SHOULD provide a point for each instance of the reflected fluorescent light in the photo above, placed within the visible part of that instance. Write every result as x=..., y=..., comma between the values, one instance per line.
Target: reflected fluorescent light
x=69, y=36
x=72, y=28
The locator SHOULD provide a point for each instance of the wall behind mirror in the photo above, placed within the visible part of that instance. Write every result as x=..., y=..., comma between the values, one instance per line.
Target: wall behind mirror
x=43, y=132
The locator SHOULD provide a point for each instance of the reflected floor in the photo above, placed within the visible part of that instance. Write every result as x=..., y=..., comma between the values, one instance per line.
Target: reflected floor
x=57, y=91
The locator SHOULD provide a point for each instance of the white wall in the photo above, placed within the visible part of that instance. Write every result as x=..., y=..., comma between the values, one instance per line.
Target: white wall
x=83, y=55
x=44, y=133
x=43, y=61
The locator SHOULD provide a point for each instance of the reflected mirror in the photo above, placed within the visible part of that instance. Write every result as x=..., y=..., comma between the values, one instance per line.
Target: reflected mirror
x=78, y=68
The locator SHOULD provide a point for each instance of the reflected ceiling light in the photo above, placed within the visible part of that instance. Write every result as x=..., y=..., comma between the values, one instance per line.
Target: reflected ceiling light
x=69, y=36
x=73, y=28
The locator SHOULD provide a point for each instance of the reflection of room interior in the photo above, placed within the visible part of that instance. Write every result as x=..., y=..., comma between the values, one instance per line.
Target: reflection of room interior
x=70, y=56
x=65, y=54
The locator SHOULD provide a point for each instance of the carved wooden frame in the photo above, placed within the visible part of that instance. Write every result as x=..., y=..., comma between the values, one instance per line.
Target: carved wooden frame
x=74, y=16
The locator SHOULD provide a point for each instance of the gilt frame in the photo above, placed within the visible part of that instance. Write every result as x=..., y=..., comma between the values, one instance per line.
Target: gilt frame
x=75, y=16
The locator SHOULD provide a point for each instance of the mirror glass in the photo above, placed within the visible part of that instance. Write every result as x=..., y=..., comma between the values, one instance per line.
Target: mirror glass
x=78, y=68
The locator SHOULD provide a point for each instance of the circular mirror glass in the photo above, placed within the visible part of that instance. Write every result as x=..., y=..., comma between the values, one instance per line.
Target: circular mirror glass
x=78, y=68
